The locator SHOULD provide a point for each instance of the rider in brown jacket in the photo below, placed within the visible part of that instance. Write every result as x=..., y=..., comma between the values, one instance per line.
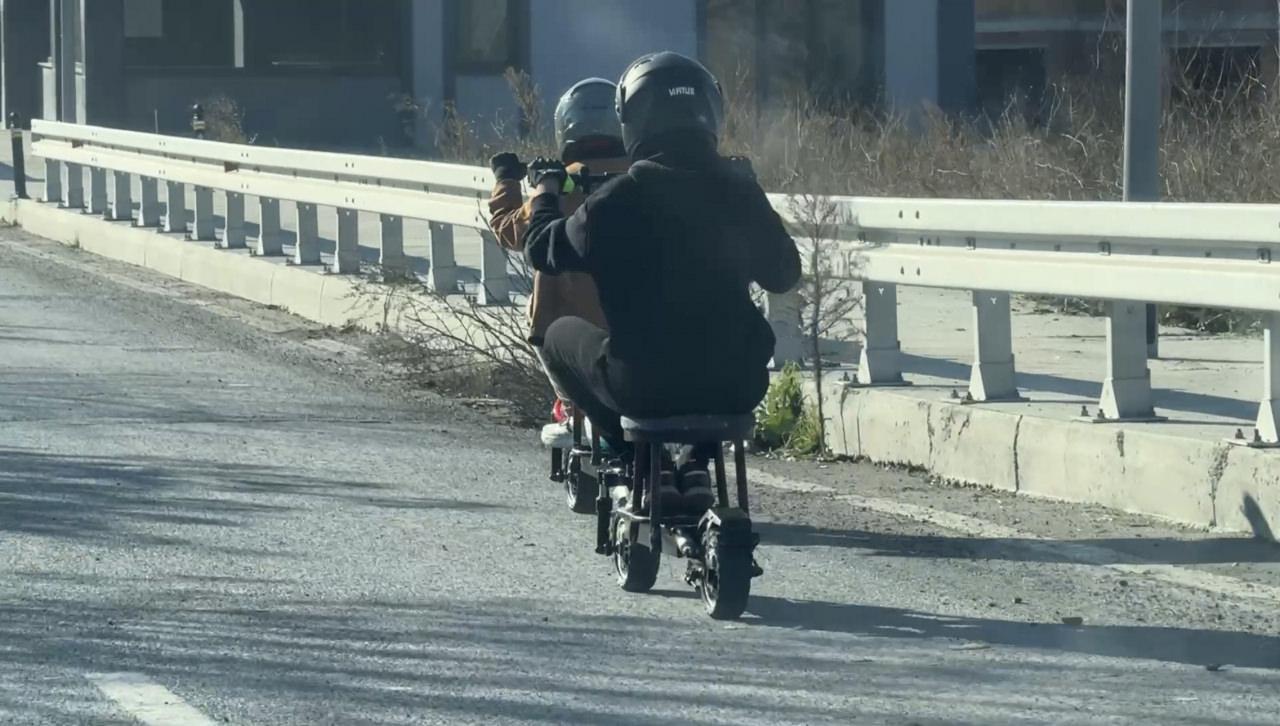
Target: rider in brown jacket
x=590, y=139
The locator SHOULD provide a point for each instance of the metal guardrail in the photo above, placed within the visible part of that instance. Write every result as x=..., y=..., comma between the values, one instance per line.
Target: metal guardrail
x=1214, y=255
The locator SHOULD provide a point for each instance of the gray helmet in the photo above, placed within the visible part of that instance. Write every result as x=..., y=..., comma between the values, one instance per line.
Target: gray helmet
x=587, y=123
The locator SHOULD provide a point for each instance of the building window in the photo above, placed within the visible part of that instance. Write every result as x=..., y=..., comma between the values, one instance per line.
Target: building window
x=780, y=49
x=1011, y=83
x=488, y=35
x=325, y=34
x=178, y=34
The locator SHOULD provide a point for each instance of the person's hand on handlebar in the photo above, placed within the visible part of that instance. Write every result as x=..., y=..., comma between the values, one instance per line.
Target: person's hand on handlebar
x=548, y=176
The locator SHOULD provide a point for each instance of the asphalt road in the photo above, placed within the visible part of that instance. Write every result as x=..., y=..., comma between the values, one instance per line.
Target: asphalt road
x=213, y=513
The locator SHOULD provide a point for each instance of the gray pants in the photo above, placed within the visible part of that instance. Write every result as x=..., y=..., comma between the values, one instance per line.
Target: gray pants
x=554, y=386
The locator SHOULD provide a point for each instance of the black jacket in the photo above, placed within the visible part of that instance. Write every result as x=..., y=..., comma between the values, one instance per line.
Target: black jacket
x=673, y=249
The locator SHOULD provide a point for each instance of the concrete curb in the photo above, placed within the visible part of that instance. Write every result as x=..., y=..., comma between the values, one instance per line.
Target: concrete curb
x=1203, y=483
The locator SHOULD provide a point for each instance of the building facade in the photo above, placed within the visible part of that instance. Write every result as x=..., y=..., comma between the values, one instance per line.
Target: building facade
x=367, y=73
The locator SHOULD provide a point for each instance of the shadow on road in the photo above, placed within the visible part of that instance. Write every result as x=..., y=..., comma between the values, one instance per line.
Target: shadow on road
x=99, y=498
x=1110, y=550
x=453, y=661
x=1170, y=645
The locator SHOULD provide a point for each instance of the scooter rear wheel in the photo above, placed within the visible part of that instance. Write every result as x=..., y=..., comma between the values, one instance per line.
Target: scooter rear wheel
x=725, y=586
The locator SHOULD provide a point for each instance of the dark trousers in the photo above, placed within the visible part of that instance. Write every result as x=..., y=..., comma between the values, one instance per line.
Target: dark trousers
x=575, y=356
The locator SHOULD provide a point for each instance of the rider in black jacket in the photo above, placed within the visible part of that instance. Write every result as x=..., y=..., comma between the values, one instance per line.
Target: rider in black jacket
x=673, y=246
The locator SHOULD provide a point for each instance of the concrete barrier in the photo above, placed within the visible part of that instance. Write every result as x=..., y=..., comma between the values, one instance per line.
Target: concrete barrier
x=1202, y=483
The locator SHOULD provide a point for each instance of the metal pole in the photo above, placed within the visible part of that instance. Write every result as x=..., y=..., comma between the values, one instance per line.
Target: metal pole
x=1142, y=111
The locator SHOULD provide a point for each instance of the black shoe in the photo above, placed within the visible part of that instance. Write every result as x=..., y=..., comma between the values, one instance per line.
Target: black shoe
x=670, y=496
x=695, y=485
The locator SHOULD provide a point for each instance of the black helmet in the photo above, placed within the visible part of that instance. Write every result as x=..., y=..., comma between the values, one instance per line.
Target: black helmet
x=664, y=92
x=586, y=122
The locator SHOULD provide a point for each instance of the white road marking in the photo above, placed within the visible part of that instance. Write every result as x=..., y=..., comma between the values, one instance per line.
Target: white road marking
x=1079, y=553
x=147, y=701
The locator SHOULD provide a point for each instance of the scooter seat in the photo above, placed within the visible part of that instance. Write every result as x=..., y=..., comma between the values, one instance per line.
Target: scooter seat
x=689, y=429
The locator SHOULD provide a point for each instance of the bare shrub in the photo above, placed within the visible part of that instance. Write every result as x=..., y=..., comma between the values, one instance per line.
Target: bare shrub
x=224, y=120
x=448, y=341
x=829, y=295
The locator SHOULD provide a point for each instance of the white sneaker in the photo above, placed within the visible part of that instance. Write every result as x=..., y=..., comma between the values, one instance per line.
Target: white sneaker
x=558, y=435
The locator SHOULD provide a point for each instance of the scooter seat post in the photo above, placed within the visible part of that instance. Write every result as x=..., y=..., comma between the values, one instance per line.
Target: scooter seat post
x=740, y=463
x=655, y=497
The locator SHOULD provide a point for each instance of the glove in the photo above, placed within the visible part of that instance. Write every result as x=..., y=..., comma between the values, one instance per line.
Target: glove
x=741, y=166
x=508, y=167
x=542, y=169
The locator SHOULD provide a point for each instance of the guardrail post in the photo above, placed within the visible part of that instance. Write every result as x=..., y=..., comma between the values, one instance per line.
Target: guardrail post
x=233, y=234
x=881, y=361
x=72, y=186
x=346, y=256
x=19, y=157
x=783, y=312
x=121, y=196
x=97, y=191
x=175, y=208
x=992, y=378
x=1268, y=430
x=270, y=238
x=203, y=227
x=495, y=280
x=443, y=275
x=1126, y=394
x=307, y=249
x=53, y=181
x=148, y=202
x=391, y=247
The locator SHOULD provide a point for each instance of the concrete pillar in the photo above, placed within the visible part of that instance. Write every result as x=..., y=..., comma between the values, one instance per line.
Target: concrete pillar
x=427, y=64
x=24, y=43
x=307, y=249
x=97, y=191
x=233, y=233
x=270, y=237
x=391, y=247
x=203, y=228
x=1126, y=393
x=103, y=65
x=52, y=181
x=175, y=208
x=1268, y=431
x=495, y=279
x=149, y=214
x=346, y=257
x=929, y=55
x=121, y=196
x=72, y=186
x=783, y=311
x=443, y=275
x=881, y=362
x=65, y=52
x=992, y=377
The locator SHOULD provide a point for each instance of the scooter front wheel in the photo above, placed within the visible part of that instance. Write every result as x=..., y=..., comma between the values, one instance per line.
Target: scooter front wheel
x=580, y=490
x=635, y=563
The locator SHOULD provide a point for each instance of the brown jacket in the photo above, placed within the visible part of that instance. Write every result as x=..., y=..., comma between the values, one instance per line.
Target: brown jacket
x=554, y=296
